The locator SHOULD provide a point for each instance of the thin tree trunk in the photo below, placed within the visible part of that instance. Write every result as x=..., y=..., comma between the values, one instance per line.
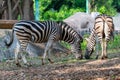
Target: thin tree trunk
x=31, y=10
x=10, y=9
x=26, y=10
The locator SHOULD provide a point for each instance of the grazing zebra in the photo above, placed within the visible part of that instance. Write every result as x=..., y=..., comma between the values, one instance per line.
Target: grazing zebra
x=103, y=29
x=44, y=31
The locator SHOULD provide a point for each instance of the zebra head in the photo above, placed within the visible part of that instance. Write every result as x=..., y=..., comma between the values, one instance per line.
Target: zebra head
x=90, y=48
x=76, y=47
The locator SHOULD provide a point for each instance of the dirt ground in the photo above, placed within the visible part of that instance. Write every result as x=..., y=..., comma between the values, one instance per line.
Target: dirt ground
x=108, y=69
x=79, y=70
x=89, y=70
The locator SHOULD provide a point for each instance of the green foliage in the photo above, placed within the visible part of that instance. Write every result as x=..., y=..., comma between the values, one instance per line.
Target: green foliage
x=116, y=4
x=65, y=44
x=59, y=9
x=112, y=44
x=83, y=45
x=62, y=14
x=103, y=6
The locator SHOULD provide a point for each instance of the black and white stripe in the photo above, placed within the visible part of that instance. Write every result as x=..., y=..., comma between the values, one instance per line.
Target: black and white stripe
x=103, y=29
x=45, y=31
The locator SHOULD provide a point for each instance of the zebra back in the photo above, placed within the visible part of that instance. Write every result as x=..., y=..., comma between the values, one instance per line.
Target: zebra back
x=36, y=31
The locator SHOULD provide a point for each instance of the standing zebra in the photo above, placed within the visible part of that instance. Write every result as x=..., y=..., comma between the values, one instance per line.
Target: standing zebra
x=40, y=32
x=103, y=29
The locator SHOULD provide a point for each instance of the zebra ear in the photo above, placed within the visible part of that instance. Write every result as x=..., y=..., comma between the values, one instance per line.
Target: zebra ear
x=87, y=39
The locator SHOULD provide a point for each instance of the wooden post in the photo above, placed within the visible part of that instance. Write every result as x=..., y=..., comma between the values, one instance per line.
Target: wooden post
x=7, y=24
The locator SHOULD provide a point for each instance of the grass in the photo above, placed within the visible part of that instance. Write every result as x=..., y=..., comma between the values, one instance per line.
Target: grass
x=113, y=47
x=36, y=61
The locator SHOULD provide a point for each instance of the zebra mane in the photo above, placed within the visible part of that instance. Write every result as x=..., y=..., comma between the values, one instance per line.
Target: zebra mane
x=61, y=22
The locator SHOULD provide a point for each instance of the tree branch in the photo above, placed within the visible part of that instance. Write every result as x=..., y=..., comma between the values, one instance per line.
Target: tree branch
x=16, y=5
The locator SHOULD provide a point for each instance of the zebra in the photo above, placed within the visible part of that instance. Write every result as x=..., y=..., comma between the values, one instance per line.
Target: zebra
x=103, y=31
x=41, y=32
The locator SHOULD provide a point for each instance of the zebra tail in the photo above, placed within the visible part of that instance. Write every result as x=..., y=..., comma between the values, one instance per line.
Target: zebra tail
x=11, y=35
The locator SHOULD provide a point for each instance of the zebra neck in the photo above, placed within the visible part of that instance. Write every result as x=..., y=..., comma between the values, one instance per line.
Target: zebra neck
x=92, y=37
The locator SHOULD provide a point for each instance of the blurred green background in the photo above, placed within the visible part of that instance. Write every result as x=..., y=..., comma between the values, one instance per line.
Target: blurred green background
x=61, y=9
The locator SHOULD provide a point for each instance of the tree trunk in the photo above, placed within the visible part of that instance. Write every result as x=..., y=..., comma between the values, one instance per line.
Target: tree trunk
x=26, y=10
x=9, y=9
x=16, y=9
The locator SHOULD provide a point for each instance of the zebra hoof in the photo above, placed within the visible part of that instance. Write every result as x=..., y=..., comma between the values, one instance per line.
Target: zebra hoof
x=97, y=57
x=29, y=64
x=18, y=64
x=87, y=57
x=43, y=63
x=80, y=57
x=104, y=57
x=50, y=61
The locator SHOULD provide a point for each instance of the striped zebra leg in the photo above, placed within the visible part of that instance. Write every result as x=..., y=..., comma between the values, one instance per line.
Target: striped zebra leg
x=96, y=48
x=23, y=55
x=17, y=50
x=20, y=51
x=102, y=46
x=22, y=42
x=47, y=50
x=49, y=54
x=104, y=49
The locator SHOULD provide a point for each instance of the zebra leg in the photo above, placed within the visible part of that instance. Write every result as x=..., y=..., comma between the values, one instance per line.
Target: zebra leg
x=16, y=51
x=48, y=46
x=105, y=50
x=49, y=54
x=23, y=51
x=97, y=53
x=102, y=46
x=16, y=58
x=23, y=55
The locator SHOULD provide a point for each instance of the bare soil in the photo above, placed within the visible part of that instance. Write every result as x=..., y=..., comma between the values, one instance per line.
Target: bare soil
x=80, y=70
